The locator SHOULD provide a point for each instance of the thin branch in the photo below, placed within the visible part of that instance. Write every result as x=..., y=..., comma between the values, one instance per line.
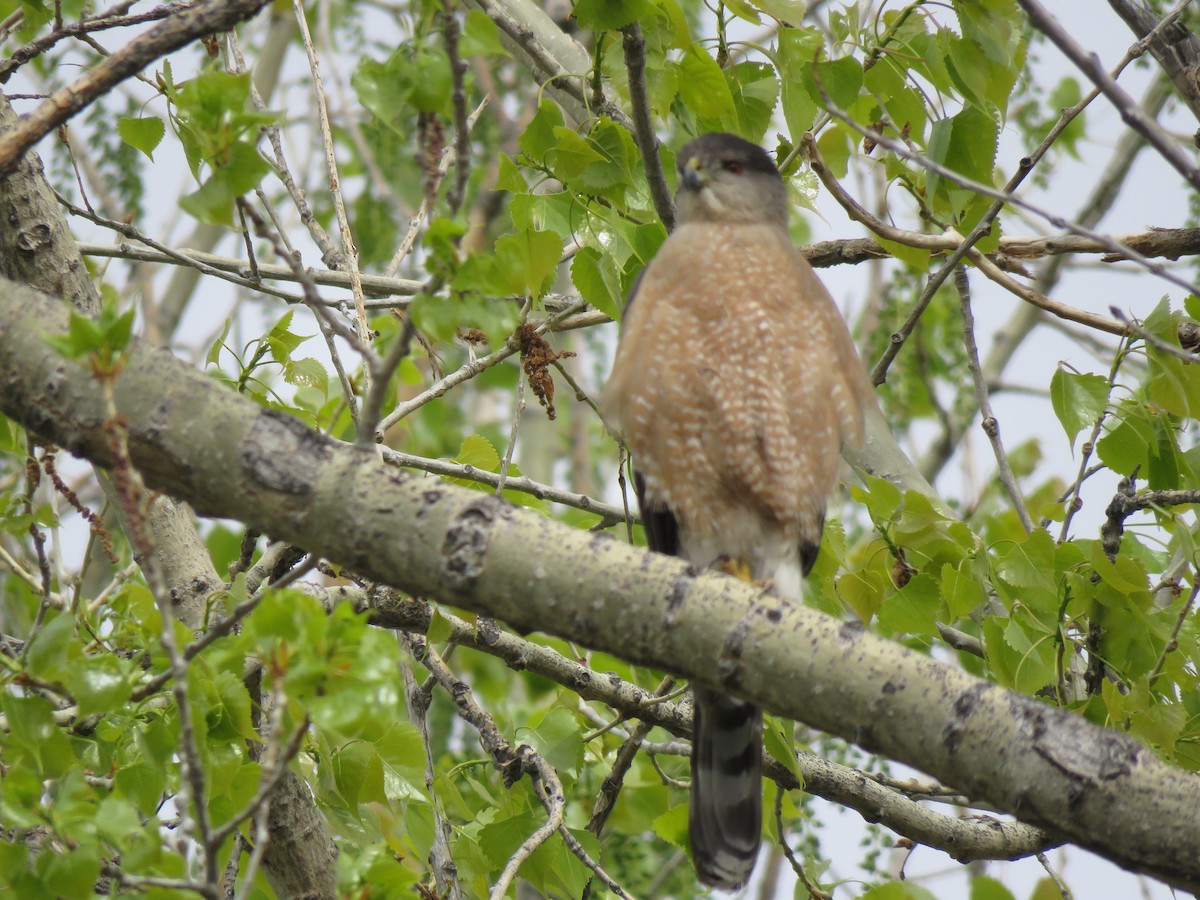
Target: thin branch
x=1024, y=167
x=1054, y=876
x=101, y=22
x=414, y=225
x=991, y=426
x=524, y=483
x=611, y=786
x=965, y=839
x=349, y=249
x=441, y=860
x=512, y=764
x=814, y=892
x=462, y=139
x=634, y=47
x=469, y=370
x=165, y=254
x=553, y=57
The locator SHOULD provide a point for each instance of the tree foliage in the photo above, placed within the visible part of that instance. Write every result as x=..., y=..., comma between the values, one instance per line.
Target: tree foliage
x=433, y=212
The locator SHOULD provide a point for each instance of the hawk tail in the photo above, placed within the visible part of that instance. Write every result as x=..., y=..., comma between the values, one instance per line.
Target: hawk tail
x=725, y=818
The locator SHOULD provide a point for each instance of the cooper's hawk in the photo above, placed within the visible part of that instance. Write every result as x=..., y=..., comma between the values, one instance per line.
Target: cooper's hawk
x=735, y=386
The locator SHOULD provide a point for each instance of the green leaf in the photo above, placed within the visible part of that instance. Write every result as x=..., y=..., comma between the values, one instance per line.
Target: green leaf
x=672, y=826
x=102, y=339
x=70, y=874
x=358, y=774
x=610, y=15
x=594, y=276
x=840, y=80
x=557, y=737
x=985, y=888
x=798, y=47
x=509, y=177
x=897, y=890
x=913, y=609
x=574, y=153
x=481, y=36
x=790, y=12
x=962, y=589
x=306, y=372
x=863, y=591
x=98, y=684
x=754, y=88
x=144, y=134
x=539, y=138
x=1174, y=384
x=440, y=628
x=703, y=88
x=1028, y=565
x=1078, y=400
x=241, y=172
x=777, y=740
x=477, y=451
x=35, y=738
x=967, y=144
x=414, y=78
x=214, y=352
x=1126, y=445
x=49, y=652
x=881, y=497
x=526, y=261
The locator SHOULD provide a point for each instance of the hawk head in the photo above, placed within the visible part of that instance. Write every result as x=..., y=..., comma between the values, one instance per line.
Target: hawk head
x=725, y=179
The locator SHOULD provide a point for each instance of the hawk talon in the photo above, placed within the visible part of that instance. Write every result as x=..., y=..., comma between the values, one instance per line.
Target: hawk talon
x=740, y=569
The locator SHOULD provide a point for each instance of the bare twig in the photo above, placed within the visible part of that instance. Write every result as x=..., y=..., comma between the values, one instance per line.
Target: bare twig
x=814, y=892
x=1054, y=876
x=524, y=484
x=991, y=427
x=335, y=190
x=441, y=860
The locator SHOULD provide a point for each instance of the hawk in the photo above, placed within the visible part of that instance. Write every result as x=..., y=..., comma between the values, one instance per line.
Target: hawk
x=735, y=386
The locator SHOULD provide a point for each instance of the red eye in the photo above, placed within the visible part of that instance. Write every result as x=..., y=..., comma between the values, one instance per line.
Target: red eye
x=732, y=166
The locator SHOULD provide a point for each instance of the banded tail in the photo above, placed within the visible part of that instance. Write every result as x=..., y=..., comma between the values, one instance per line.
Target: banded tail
x=725, y=818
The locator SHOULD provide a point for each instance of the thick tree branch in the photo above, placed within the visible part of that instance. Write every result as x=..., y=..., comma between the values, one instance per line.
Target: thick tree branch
x=204, y=18
x=231, y=458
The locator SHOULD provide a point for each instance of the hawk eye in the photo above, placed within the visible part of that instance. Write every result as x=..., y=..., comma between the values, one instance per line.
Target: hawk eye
x=732, y=166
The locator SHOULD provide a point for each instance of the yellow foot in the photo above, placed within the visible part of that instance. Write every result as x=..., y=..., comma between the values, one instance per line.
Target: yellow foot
x=740, y=569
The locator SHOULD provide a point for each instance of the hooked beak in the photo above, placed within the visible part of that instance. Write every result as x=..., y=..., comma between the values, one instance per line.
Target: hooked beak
x=694, y=177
